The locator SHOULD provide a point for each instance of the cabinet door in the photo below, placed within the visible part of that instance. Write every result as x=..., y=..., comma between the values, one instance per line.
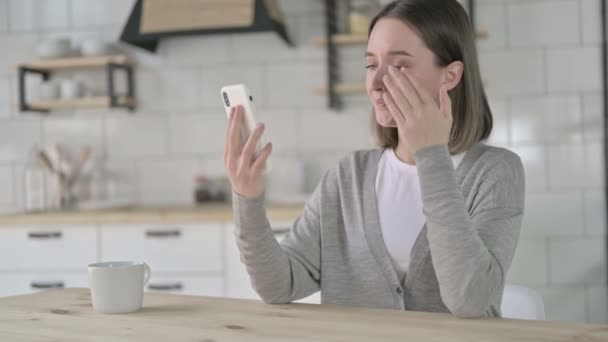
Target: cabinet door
x=211, y=285
x=238, y=283
x=12, y=284
x=47, y=248
x=167, y=249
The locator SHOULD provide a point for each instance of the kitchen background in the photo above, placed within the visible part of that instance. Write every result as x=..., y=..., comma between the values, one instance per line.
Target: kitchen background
x=541, y=63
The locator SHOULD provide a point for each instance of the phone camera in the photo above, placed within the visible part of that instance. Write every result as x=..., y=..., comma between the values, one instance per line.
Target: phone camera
x=226, y=101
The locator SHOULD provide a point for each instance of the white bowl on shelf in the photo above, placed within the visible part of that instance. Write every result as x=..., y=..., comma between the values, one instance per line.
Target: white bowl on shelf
x=48, y=90
x=54, y=48
x=94, y=47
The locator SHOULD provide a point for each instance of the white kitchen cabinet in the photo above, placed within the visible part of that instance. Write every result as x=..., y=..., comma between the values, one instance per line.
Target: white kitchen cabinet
x=207, y=285
x=167, y=249
x=47, y=248
x=12, y=284
x=238, y=283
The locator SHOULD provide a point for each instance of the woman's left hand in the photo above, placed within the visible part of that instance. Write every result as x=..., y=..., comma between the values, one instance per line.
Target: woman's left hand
x=421, y=123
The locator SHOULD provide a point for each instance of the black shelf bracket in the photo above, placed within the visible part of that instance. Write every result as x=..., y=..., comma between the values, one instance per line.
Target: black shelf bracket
x=333, y=63
x=23, y=71
x=114, y=103
x=604, y=16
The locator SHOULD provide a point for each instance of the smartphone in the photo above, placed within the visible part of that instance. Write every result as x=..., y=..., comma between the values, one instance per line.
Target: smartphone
x=239, y=95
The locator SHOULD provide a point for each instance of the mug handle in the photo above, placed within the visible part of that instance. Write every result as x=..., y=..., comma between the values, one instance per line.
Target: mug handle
x=147, y=274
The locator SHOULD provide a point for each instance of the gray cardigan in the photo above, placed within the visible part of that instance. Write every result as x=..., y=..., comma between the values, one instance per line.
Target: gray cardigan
x=458, y=262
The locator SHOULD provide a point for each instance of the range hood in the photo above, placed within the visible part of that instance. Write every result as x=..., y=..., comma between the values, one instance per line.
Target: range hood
x=152, y=20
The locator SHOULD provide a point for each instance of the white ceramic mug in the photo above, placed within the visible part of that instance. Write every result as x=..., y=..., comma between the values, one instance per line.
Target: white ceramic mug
x=48, y=90
x=71, y=89
x=118, y=286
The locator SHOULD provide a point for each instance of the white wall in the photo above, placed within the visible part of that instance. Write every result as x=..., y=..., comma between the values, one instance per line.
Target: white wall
x=541, y=64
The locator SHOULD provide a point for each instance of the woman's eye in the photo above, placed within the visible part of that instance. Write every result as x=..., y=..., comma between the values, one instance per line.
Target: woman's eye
x=370, y=66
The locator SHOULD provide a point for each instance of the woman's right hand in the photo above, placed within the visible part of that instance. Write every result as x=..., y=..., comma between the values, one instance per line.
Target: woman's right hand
x=245, y=171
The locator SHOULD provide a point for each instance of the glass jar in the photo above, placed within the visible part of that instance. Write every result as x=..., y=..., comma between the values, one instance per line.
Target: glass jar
x=360, y=14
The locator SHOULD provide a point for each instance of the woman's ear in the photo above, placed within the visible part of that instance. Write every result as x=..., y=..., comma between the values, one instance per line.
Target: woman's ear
x=452, y=74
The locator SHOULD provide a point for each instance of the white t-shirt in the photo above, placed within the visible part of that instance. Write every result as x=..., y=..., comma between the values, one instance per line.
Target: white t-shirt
x=400, y=207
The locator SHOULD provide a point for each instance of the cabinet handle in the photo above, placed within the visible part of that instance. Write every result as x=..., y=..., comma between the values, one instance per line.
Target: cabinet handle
x=165, y=287
x=47, y=285
x=44, y=235
x=164, y=233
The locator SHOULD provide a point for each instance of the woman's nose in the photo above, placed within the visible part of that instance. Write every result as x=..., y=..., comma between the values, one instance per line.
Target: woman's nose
x=377, y=82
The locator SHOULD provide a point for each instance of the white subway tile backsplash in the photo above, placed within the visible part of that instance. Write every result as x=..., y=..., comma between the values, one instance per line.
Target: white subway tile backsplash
x=6, y=98
x=565, y=218
x=170, y=89
x=99, y=13
x=591, y=20
x=512, y=72
x=533, y=158
x=309, y=27
x=574, y=69
x=293, y=85
x=529, y=266
x=197, y=50
x=213, y=168
x=149, y=90
x=214, y=78
x=246, y=48
x=22, y=49
x=546, y=119
x=594, y=165
x=533, y=23
x=136, y=136
x=564, y=303
x=167, y=182
x=597, y=305
x=595, y=213
x=198, y=134
x=501, y=125
x=593, y=117
x=7, y=184
x=281, y=128
x=577, y=261
x=37, y=15
x=567, y=169
x=323, y=130
x=301, y=7
x=126, y=180
x=4, y=16
x=74, y=133
x=18, y=137
x=181, y=88
x=491, y=17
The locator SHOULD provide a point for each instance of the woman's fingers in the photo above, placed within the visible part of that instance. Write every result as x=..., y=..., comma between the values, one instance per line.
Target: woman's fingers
x=397, y=97
x=425, y=97
x=227, y=139
x=406, y=87
x=234, y=139
x=247, y=157
x=393, y=109
x=260, y=163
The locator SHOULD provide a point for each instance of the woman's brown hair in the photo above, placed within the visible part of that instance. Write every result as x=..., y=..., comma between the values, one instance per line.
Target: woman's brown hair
x=445, y=28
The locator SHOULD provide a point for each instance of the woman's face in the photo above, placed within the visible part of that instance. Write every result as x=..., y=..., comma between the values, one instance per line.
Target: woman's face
x=393, y=43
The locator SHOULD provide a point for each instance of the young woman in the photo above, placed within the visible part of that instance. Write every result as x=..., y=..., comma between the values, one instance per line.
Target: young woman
x=430, y=220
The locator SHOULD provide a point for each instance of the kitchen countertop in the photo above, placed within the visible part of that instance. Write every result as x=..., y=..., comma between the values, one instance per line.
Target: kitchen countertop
x=67, y=315
x=210, y=213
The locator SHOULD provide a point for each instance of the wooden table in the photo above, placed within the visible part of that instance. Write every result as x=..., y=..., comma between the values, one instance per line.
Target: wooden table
x=67, y=315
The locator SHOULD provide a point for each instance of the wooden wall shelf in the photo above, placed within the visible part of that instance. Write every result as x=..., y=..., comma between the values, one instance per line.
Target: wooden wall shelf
x=45, y=67
x=81, y=103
